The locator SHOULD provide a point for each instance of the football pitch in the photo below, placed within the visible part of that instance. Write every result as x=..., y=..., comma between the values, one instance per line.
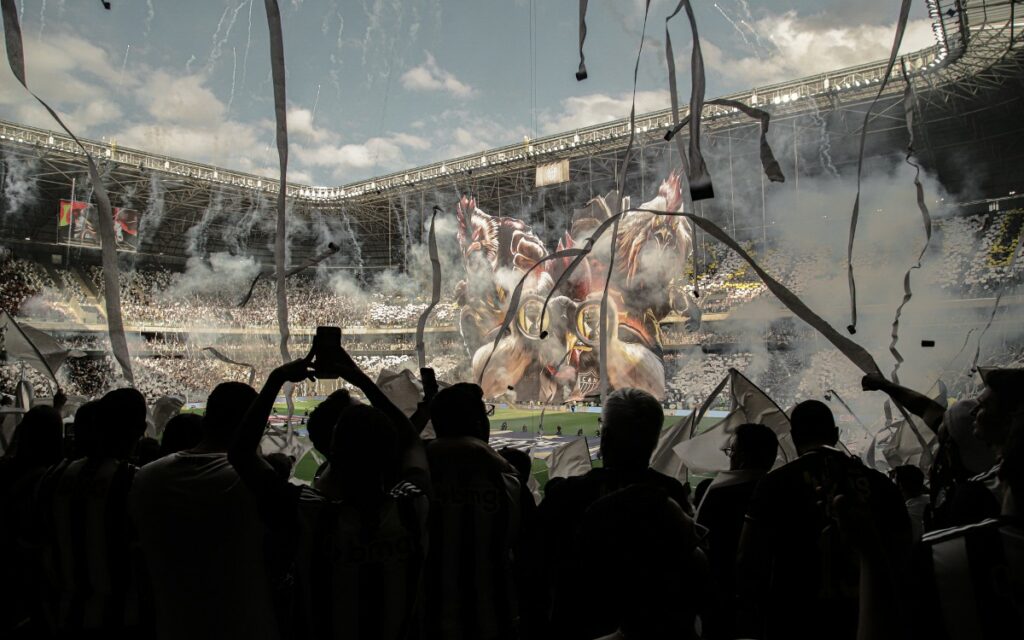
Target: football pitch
x=512, y=419
x=516, y=421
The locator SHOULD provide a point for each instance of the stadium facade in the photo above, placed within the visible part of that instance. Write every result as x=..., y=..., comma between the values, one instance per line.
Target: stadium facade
x=968, y=97
x=968, y=127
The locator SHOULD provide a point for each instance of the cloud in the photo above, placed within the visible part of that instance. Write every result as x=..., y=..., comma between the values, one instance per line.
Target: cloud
x=300, y=124
x=803, y=46
x=411, y=141
x=351, y=161
x=180, y=99
x=583, y=111
x=73, y=75
x=225, y=143
x=430, y=77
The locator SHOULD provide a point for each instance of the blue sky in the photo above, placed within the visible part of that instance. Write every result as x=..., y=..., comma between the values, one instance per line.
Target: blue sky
x=381, y=85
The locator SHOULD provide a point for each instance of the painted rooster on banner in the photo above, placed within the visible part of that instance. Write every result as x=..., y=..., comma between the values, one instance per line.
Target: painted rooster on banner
x=650, y=259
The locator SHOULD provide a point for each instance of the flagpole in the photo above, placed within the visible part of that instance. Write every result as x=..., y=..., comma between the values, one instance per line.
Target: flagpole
x=71, y=225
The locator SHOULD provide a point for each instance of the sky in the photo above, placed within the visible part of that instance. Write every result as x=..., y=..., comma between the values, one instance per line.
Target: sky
x=384, y=85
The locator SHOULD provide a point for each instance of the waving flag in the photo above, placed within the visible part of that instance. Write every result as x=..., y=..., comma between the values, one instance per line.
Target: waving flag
x=682, y=449
x=572, y=459
x=69, y=211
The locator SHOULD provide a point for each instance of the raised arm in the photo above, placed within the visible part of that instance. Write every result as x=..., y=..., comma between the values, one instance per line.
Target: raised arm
x=244, y=454
x=916, y=403
x=421, y=416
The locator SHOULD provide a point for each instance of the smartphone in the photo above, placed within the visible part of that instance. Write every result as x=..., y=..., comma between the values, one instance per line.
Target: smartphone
x=326, y=351
x=429, y=382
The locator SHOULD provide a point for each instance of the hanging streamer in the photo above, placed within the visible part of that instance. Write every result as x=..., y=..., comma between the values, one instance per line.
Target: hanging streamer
x=901, y=26
x=223, y=358
x=581, y=72
x=108, y=244
x=281, y=116
x=312, y=262
x=698, y=177
x=768, y=162
x=435, y=291
x=909, y=100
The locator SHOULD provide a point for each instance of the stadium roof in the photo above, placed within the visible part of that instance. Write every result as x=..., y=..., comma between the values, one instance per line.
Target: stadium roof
x=977, y=51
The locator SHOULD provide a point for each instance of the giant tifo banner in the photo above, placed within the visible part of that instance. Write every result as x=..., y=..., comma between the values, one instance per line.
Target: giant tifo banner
x=77, y=225
x=555, y=358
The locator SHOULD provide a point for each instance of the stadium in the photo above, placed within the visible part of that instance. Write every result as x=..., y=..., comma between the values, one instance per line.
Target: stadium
x=730, y=256
x=967, y=88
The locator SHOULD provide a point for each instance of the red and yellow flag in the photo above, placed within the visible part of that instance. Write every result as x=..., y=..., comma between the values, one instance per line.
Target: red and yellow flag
x=68, y=210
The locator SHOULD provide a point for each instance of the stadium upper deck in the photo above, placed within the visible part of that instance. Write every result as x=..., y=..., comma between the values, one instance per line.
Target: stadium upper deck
x=968, y=84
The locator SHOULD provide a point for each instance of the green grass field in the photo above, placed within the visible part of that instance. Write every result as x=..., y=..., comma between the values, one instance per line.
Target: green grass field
x=514, y=419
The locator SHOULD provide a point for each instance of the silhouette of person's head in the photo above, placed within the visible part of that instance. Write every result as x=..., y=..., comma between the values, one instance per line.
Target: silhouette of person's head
x=631, y=424
x=754, y=447
x=813, y=425
x=122, y=421
x=324, y=417
x=364, y=453
x=86, y=429
x=38, y=439
x=909, y=479
x=183, y=431
x=1000, y=408
x=225, y=408
x=459, y=410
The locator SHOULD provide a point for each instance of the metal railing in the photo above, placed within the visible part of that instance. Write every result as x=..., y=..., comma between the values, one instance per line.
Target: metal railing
x=952, y=25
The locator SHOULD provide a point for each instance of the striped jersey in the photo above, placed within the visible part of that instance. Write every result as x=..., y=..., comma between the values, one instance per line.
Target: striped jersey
x=358, y=569
x=89, y=546
x=205, y=549
x=474, y=522
x=970, y=582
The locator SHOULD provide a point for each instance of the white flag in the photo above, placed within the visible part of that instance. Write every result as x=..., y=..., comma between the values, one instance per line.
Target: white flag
x=664, y=458
x=704, y=452
x=569, y=460
x=402, y=388
x=903, y=446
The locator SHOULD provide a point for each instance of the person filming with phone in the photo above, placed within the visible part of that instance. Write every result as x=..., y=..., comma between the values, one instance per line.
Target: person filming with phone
x=359, y=540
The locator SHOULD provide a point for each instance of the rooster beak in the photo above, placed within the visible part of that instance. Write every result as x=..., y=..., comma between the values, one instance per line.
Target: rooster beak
x=570, y=342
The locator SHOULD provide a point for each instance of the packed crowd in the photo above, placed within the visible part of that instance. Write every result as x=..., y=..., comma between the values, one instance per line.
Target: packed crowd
x=26, y=289
x=159, y=297
x=403, y=535
x=976, y=253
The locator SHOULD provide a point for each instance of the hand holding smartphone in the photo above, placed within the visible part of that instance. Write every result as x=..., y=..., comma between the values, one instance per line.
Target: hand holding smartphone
x=327, y=352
